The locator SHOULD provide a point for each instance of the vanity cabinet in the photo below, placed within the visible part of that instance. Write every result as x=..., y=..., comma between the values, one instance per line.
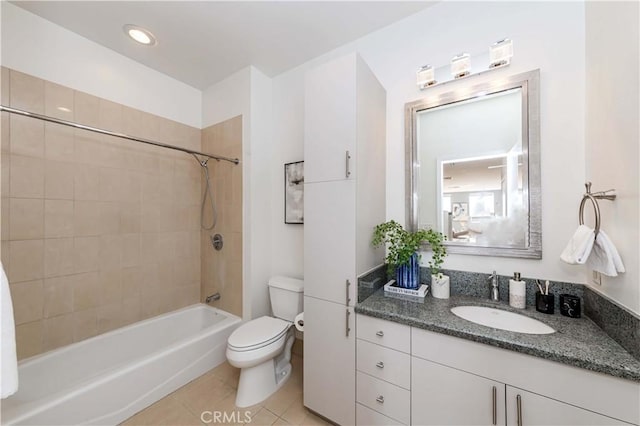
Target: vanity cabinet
x=527, y=408
x=345, y=116
x=383, y=376
x=445, y=396
x=454, y=381
x=460, y=376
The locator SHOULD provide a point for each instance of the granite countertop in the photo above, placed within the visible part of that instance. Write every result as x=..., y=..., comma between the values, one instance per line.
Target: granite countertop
x=577, y=341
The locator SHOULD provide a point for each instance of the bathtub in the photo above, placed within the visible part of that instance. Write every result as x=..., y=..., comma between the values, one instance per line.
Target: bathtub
x=108, y=378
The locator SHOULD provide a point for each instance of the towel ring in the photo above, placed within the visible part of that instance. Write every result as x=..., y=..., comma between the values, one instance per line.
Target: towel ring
x=596, y=209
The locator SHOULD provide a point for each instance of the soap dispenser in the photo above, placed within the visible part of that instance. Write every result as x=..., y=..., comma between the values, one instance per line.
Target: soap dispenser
x=517, y=292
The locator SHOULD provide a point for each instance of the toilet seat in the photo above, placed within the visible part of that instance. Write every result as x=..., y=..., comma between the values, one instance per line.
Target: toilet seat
x=257, y=334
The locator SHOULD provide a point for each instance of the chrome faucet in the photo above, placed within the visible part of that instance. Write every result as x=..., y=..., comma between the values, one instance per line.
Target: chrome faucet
x=495, y=292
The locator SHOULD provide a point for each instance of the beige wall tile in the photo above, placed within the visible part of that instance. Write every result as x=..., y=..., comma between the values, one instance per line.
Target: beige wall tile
x=58, y=331
x=130, y=250
x=110, y=284
x=58, y=296
x=29, y=339
x=110, y=115
x=28, y=300
x=26, y=218
x=59, y=142
x=130, y=310
x=26, y=92
x=157, y=188
x=86, y=218
x=58, y=101
x=86, y=183
x=26, y=136
x=26, y=177
x=110, y=255
x=85, y=324
x=26, y=260
x=110, y=184
x=130, y=218
x=5, y=78
x=86, y=109
x=5, y=171
x=58, y=257
x=86, y=254
x=4, y=219
x=131, y=282
x=58, y=180
x=131, y=186
x=58, y=218
x=109, y=317
x=86, y=293
x=109, y=218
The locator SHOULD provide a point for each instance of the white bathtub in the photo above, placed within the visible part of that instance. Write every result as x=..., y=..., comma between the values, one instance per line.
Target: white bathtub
x=108, y=378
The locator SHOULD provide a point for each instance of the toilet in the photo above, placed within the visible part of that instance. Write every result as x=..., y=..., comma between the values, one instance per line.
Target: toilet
x=261, y=348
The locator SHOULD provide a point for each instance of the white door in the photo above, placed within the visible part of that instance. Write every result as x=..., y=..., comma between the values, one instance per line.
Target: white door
x=330, y=121
x=330, y=360
x=539, y=410
x=329, y=241
x=445, y=396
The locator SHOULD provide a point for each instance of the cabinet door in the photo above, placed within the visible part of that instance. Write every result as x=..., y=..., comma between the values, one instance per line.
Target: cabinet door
x=329, y=360
x=330, y=120
x=445, y=396
x=329, y=241
x=539, y=410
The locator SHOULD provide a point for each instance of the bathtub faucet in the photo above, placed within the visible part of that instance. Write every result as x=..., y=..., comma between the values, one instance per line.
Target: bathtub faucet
x=212, y=298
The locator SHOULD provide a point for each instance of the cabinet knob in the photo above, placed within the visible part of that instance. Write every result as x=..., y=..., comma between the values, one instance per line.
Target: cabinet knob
x=380, y=399
x=380, y=333
x=380, y=364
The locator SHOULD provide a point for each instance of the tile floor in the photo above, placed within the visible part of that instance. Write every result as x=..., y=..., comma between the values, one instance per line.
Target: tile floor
x=215, y=391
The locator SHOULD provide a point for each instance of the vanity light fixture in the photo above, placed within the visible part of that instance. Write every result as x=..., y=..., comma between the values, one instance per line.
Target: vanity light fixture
x=461, y=65
x=139, y=34
x=425, y=77
x=500, y=53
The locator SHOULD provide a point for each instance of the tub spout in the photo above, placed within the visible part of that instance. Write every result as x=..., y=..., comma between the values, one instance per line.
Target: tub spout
x=212, y=298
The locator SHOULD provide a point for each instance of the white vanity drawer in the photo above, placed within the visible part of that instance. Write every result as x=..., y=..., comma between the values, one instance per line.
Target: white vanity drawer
x=384, y=363
x=367, y=417
x=382, y=332
x=383, y=397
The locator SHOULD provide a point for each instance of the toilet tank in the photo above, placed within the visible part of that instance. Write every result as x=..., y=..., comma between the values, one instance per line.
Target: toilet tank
x=286, y=297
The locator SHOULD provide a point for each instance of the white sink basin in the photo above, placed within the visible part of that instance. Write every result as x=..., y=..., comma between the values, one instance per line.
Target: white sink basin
x=504, y=320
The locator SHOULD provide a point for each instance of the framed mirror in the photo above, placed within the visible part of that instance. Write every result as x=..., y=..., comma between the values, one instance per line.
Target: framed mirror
x=473, y=167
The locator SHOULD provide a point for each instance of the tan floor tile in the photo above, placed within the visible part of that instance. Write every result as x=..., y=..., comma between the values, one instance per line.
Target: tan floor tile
x=296, y=413
x=264, y=417
x=203, y=394
x=280, y=422
x=281, y=400
x=167, y=411
x=312, y=420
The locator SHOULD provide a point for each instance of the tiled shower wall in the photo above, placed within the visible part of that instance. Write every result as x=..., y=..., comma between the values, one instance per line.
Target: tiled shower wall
x=222, y=270
x=97, y=232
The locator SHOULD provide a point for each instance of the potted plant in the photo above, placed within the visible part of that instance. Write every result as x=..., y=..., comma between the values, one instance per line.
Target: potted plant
x=403, y=258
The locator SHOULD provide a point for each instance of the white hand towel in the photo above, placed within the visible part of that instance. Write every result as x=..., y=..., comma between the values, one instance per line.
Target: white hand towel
x=579, y=246
x=9, y=379
x=604, y=257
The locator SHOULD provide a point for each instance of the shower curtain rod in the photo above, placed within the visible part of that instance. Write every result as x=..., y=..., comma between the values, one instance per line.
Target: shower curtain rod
x=114, y=134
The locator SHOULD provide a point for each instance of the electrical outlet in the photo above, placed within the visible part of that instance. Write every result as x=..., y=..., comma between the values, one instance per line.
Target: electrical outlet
x=596, y=277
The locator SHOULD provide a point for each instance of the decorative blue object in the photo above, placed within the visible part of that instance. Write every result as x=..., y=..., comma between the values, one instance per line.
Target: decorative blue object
x=408, y=276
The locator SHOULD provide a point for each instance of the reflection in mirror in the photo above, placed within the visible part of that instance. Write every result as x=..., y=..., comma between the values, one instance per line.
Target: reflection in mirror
x=475, y=167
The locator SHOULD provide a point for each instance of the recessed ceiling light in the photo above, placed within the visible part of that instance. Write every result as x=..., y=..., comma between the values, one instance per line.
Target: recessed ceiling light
x=63, y=109
x=140, y=35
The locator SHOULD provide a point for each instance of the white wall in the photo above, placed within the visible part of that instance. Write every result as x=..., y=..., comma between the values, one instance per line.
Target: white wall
x=35, y=46
x=546, y=35
x=248, y=93
x=612, y=136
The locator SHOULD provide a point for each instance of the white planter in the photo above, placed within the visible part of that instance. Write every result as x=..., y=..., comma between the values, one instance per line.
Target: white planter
x=440, y=286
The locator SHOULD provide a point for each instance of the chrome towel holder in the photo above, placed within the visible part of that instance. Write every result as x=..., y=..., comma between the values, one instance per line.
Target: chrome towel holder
x=594, y=197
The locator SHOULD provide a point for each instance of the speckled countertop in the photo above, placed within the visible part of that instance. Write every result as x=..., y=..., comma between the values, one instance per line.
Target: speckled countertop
x=577, y=341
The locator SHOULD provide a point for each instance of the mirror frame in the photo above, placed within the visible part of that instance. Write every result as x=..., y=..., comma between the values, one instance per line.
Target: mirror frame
x=529, y=82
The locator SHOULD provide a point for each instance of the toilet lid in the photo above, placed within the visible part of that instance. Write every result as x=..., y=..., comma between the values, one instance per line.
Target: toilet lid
x=258, y=332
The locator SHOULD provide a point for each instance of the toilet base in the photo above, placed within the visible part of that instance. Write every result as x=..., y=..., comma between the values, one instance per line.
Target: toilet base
x=261, y=381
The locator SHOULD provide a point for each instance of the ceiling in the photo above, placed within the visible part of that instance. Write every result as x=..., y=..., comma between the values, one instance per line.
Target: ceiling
x=202, y=42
